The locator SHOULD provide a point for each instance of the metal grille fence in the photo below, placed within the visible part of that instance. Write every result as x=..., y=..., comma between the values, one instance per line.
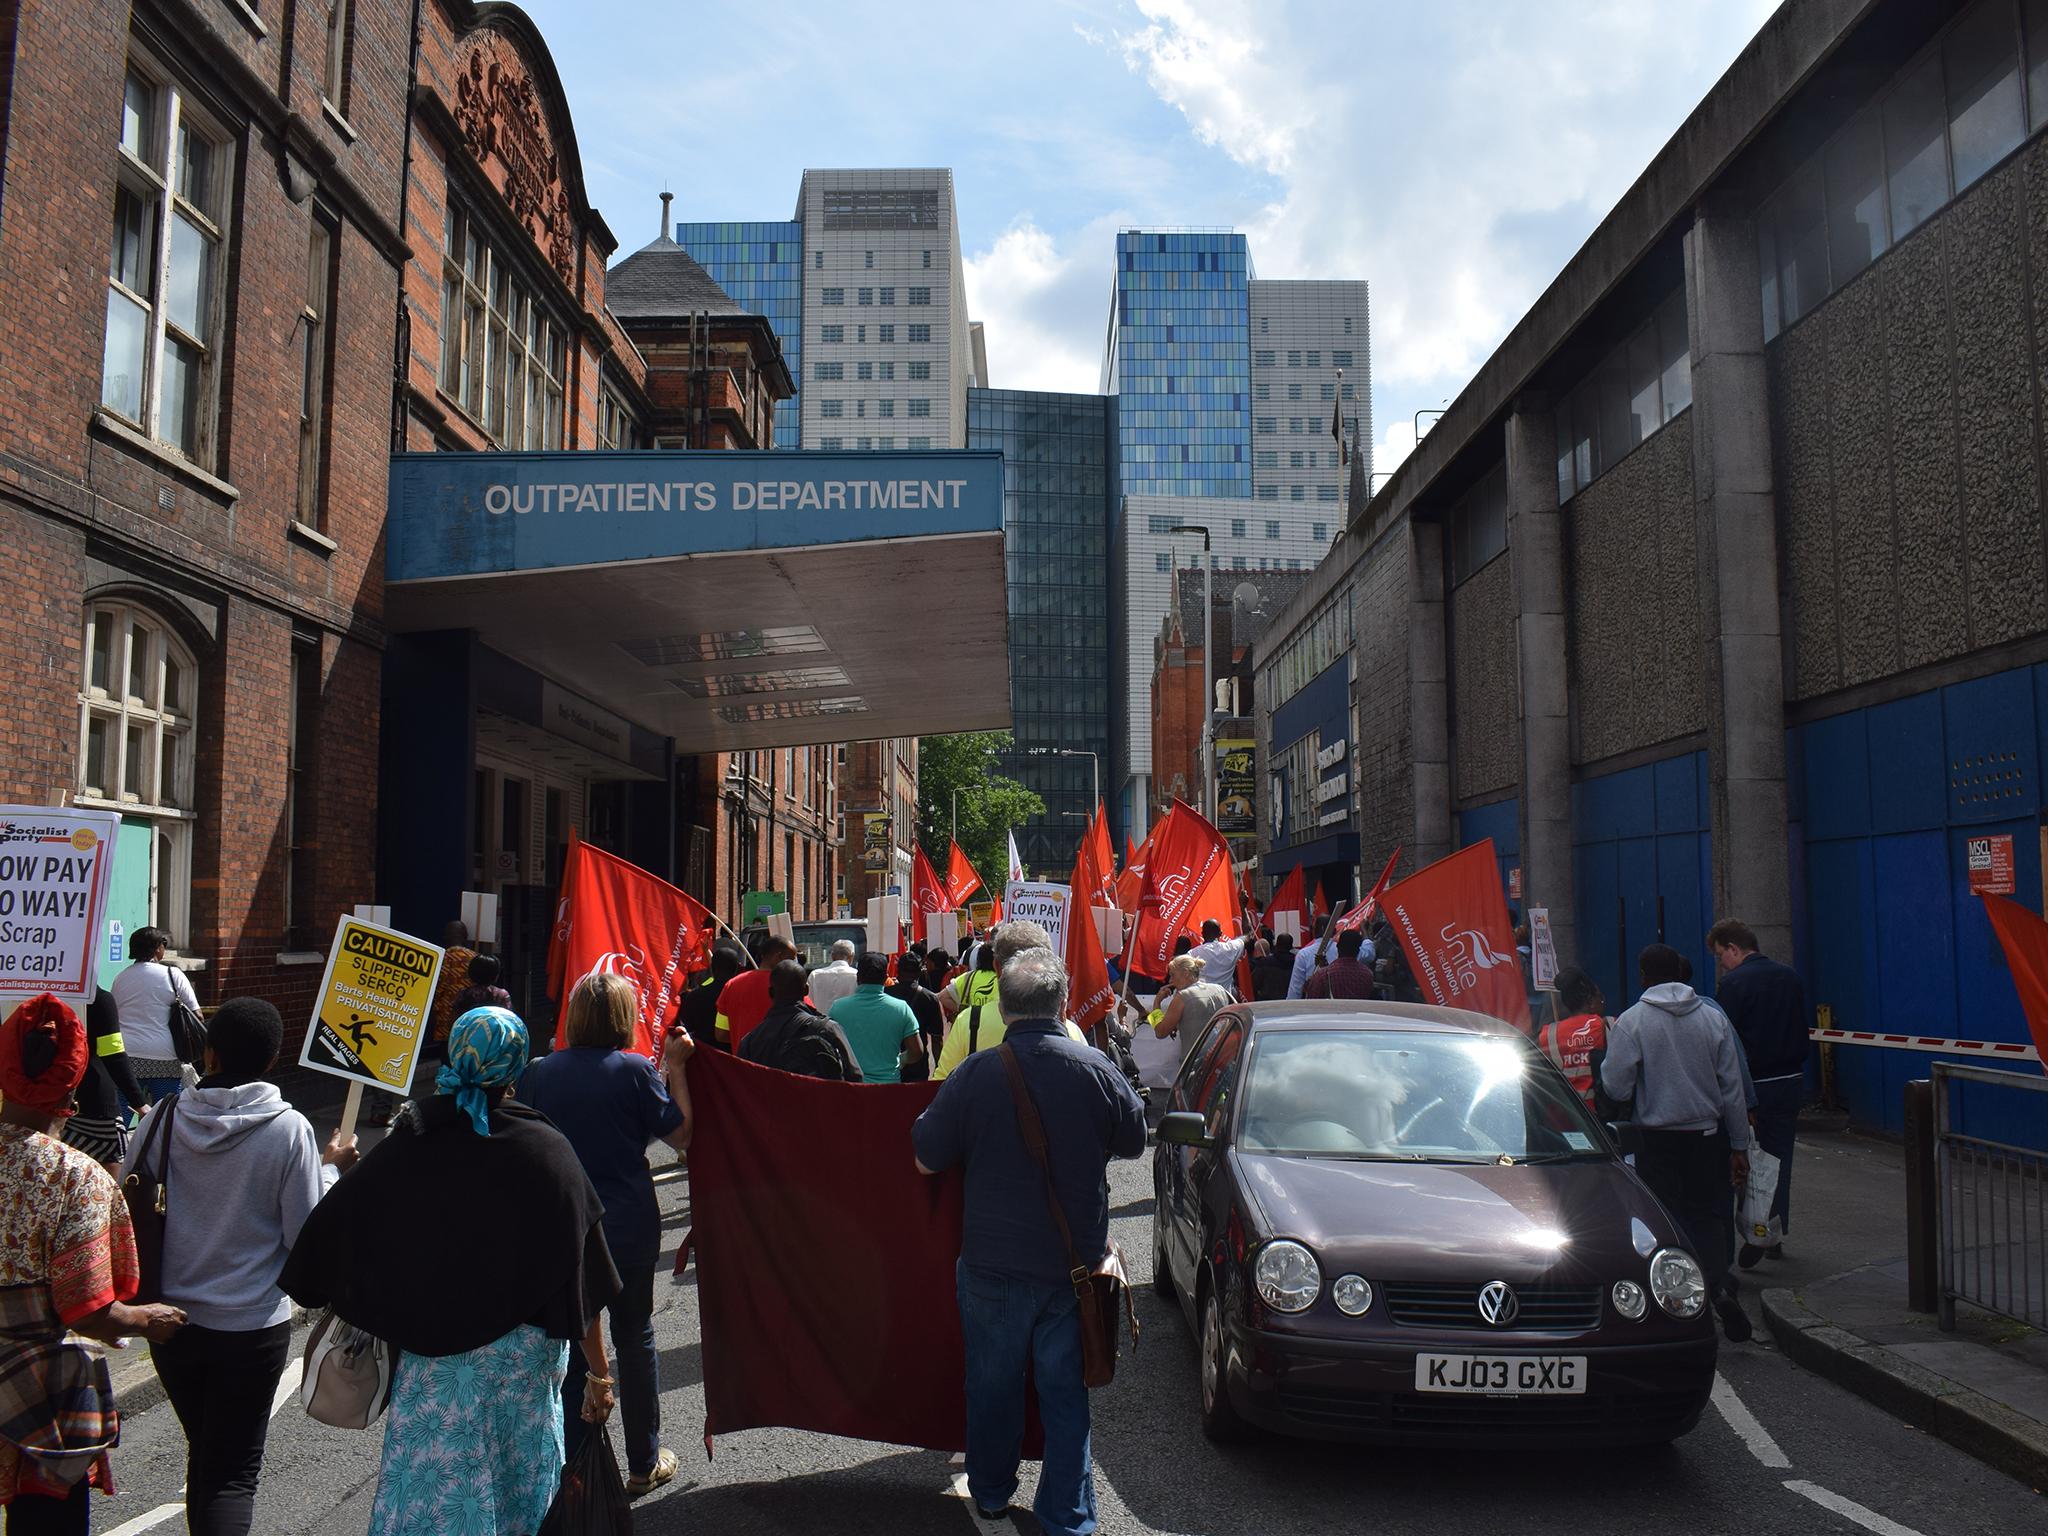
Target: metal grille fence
x=1993, y=1216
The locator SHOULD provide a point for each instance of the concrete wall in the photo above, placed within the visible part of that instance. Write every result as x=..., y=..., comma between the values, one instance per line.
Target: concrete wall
x=1383, y=784
x=1632, y=601
x=1486, y=747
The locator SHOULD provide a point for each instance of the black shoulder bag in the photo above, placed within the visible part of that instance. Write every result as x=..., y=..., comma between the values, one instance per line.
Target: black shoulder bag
x=188, y=1030
x=147, y=1194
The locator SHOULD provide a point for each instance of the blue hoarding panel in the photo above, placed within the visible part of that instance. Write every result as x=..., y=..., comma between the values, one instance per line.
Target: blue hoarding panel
x=1597, y=867
x=1987, y=1006
x=1678, y=792
x=1836, y=755
x=1916, y=952
x=470, y=514
x=1993, y=747
x=1906, y=765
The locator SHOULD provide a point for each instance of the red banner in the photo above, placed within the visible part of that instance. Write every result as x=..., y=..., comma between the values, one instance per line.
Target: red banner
x=614, y=916
x=1186, y=882
x=927, y=896
x=1101, y=852
x=1131, y=883
x=961, y=880
x=2024, y=938
x=1453, y=921
x=1361, y=914
x=1089, y=994
x=1292, y=896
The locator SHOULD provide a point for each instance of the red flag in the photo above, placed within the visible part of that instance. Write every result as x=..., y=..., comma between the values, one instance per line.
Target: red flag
x=1186, y=882
x=1361, y=914
x=1131, y=883
x=614, y=916
x=1318, y=901
x=1102, y=852
x=1089, y=994
x=1453, y=921
x=961, y=880
x=1292, y=896
x=2024, y=938
x=927, y=896
x=1130, y=851
x=558, y=935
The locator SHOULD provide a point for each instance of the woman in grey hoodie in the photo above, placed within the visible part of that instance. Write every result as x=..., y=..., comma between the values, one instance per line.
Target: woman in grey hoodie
x=244, y=1169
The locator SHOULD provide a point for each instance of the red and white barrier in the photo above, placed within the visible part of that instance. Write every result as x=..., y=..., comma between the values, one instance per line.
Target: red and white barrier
x=2004, y=1050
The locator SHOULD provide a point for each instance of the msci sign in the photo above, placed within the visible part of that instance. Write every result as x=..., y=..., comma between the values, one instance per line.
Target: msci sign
x=471, y=514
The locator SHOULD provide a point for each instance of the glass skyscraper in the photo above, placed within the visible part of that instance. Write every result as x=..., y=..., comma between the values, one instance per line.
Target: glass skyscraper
x=762, y=267
x=1179, y=362
x=1059, y=488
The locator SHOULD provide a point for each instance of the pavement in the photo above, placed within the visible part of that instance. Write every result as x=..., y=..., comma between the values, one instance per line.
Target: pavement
x=1784, y=1450
x=1840, y=1310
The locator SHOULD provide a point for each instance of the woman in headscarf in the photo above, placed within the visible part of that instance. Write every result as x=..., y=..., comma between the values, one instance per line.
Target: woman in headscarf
x=67, y=1261
x=471, y=1240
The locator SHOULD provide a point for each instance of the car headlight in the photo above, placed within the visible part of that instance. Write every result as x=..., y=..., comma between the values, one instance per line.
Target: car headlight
x=1629, y=1300
x=1676, y=1282
x=1353, y=1295
x=1287, y=1277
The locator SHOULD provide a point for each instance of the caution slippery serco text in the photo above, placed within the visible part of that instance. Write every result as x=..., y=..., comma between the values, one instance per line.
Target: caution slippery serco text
x=371, y=1015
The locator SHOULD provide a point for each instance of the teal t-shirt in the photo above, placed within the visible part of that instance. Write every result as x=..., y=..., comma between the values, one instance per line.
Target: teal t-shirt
x=876, y=1025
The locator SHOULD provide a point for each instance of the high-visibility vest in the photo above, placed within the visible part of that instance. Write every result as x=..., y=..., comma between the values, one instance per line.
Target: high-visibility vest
x=1571, y=1043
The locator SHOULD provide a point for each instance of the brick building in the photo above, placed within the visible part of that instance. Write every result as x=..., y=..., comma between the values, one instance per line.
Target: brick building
x=199, y=248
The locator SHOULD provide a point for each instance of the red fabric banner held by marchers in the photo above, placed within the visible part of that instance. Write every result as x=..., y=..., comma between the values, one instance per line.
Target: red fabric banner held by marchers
x=825, y=1260
x=927, y=896
x=1187, y=881
x=614, y=916
x=2024, y=938
x=1453, y=920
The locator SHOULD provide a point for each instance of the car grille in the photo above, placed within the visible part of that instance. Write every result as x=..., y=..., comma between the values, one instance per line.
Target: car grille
x=1544, y=1308
x=1399, y=1414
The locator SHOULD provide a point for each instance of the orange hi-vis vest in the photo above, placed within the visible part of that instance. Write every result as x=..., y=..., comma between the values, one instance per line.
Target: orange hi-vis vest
x=1571, y=1043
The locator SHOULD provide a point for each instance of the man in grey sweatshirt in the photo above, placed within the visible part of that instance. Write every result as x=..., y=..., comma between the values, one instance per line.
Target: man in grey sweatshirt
x=244, y=1170
x=1676, y=1056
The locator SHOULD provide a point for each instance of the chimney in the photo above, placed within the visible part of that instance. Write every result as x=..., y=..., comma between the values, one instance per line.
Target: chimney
x=666, y=197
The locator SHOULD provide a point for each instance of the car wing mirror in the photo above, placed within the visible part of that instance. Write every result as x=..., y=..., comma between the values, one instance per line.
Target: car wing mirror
x=1626, y=1135
x=1185, y=1128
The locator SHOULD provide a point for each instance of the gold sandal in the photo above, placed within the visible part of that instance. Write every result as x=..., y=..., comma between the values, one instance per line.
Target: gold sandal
x=663, y=1471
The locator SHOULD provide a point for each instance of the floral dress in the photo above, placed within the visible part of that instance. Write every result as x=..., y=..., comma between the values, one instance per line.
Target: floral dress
x=473, y=1442
x=66, y=1243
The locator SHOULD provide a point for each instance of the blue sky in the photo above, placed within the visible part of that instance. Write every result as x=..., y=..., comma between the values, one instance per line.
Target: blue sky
x=1453, y=153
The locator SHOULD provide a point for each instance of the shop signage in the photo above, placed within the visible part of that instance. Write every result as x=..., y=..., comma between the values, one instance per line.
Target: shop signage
x=1332, y=754
x=55, y=869
x=1236, y=788
x=877, y=840
x=756, y=906
x=1333, y=818
x=577, y=719
x=1990, y=863
x=370, y=1014
x=1331, y=789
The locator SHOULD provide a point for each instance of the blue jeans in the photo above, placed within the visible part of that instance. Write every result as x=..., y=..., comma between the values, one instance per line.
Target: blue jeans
x=636, y=1368
x=1010, y=1325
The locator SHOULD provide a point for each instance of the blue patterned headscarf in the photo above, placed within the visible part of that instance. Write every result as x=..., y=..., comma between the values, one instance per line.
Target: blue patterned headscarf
x=486, y=1050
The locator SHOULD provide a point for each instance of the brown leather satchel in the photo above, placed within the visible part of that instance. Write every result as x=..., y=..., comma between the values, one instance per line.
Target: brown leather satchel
x=1101, y=1289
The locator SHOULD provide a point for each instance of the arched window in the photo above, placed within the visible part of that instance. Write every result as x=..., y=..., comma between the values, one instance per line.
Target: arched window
x=136, y=702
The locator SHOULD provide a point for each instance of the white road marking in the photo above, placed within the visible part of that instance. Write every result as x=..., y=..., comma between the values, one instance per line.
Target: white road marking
x=1849, y=1509
x=148, y=1522
x=1745, y=1425
x=287, y=1384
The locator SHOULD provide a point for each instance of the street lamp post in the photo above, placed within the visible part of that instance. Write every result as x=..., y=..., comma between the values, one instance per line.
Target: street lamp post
x=1208, y=662
x=1094, y=764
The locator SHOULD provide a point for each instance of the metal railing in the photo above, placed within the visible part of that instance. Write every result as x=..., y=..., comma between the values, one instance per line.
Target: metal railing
x=1992, y=1206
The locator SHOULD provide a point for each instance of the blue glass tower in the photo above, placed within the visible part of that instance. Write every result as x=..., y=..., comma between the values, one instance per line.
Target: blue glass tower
x=1179, y=362
x=762, y=267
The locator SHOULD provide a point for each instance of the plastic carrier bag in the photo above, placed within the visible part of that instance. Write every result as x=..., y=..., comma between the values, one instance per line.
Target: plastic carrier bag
x=1755, y=1224
x=592, y=1499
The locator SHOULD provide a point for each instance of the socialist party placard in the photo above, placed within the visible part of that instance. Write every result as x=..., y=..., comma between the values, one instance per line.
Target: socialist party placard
x=55, y=868
x=370, y=1017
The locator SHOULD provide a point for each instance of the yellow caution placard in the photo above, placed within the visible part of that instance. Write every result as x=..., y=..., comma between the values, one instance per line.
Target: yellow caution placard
x=370, y=1017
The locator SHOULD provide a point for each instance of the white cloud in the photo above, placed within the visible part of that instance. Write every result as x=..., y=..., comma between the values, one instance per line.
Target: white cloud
x=1199, y=58
x=1036, y=301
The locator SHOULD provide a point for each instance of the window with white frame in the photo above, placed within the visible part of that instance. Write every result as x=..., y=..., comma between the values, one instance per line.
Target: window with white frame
x=336, y=83
x=314, y=323
x=164, y=275
x=504, y=357
x=617, y=424
x=136, y=701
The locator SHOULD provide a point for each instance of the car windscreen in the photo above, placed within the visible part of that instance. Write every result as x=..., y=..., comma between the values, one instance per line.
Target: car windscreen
x=1410, y=1096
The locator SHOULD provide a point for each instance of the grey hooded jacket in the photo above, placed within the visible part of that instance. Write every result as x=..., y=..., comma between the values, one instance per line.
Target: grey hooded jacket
x=1675, y=1054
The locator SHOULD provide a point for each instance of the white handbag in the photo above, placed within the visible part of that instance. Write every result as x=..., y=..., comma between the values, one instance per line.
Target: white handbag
x=347, y=1380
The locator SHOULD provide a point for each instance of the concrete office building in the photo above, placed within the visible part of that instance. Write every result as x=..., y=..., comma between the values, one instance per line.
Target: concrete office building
x=1303, y=334
x=1059, y=491
x=1722, y=589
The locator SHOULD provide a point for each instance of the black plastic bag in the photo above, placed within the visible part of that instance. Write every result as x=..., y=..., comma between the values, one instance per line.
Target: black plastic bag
x=592, y=1499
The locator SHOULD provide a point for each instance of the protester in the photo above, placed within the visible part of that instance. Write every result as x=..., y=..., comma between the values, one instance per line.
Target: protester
x=483, y=990
x=938, y=968
x=931, y=1024
x=1347, y=976
x=109, y=1089
x=794, y=1037
x=455, y=957
x=881, y=1029
x=1016, y=1291
x=1310, y=956
x=745, y=998
x=478, y=1191
x=1270, y=972
x=699, y=1010
x=243, y=1170
x=1219, y=956
x=142, y=996
x=1680, y=1062
x=1578, y=1041
x=67, y=1262
x=611, y=1103
x=829, y=983
x=1766, y=1003
x=975, y=1004
x=1193, y=1002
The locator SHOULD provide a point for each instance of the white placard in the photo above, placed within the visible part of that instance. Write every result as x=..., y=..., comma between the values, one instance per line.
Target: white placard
x=1542, y=950
x=780, y=925
x=1109, y=923
x=480, y=916
x=1287, y=922
x=1031, y=901
x=55, y=870
x=942, y=931
x=885, y=924
x=364, y=912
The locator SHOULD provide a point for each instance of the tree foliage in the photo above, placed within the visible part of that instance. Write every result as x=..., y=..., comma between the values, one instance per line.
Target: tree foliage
x=990, y=804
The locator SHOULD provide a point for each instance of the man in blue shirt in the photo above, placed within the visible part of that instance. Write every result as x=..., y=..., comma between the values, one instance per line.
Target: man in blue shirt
x=1017, y=1309
x=880, y=1028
